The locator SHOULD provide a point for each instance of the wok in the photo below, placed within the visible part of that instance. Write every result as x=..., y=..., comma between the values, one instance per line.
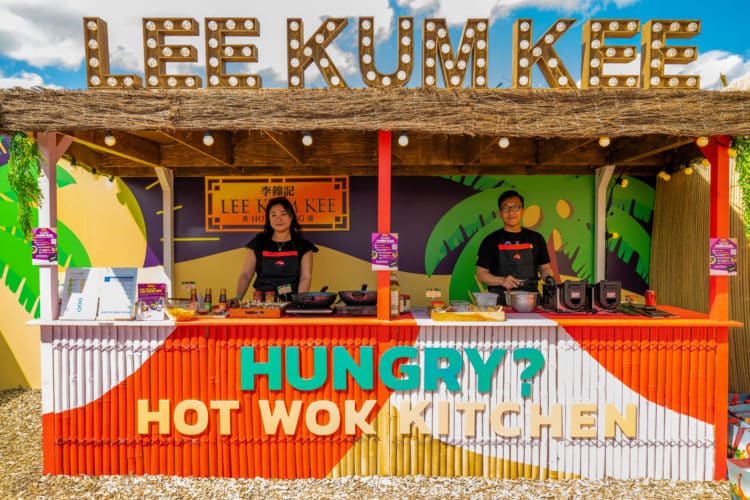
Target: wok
x=363, y=297
x=313, y=300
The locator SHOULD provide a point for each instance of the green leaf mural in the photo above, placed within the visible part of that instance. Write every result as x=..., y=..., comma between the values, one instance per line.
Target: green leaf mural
x=15, y=259
x=561, y=208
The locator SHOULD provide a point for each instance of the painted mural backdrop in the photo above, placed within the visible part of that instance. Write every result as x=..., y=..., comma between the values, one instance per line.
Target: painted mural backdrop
x=441, y=221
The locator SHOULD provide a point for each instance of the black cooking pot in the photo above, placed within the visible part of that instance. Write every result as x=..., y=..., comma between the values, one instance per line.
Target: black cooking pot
x=313, y=300
x=363, y=297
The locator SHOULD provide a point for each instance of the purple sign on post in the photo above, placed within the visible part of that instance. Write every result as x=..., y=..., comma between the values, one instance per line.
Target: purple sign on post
x=384, y=251
x=722, y=257
x=43, y=246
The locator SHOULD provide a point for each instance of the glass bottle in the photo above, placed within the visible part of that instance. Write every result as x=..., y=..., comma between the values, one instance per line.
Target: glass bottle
x=395, y=289
x=207, y=301
x=223, y=298
x=194, y=296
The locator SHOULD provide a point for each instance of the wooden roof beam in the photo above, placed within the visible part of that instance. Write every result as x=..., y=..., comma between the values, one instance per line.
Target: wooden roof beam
x=220, y=151
x=635, y=149
x=289, y=142
x=129, y=147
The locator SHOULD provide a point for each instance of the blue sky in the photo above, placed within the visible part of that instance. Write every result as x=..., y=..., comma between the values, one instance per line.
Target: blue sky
x=41, y=43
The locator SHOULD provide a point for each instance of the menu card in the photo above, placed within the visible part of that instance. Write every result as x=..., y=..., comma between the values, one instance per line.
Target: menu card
x=117, y=291
x=151, y=301
x=80, y=293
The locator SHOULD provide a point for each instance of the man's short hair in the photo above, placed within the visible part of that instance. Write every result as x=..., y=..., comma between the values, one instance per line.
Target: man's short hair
x=508, y=194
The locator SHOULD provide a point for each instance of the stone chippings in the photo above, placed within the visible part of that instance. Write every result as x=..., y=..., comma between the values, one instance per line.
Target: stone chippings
x=21, y=477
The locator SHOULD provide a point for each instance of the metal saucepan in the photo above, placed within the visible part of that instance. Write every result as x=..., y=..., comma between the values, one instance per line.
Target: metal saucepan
x=363, y=297
x=313, y=300
x=521, y=301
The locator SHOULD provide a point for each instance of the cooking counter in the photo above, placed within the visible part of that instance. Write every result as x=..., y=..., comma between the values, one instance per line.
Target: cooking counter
x=621, y=396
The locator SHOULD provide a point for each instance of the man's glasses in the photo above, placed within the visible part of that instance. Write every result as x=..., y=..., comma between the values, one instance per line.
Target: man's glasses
x=510, y=208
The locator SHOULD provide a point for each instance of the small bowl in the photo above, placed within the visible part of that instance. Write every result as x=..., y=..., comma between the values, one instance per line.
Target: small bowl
x=181, y=309
x=460, y=305
x=486, y=299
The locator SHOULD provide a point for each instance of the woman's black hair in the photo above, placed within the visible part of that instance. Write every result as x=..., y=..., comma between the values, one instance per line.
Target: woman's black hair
x=295, y=228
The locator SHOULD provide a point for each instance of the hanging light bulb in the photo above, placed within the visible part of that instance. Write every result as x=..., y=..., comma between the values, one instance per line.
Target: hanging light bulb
x=702, y=141
x=732, y=152
x=663, y=175
x=688, y=170
x=208, y=139
x=705, y=163
x=307, y=139
x=109, y=139
x=503, y=142
x=403, y=140
x=604, y=141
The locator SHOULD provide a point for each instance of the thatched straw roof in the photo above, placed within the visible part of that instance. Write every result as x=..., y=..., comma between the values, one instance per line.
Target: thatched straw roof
x=257, y=131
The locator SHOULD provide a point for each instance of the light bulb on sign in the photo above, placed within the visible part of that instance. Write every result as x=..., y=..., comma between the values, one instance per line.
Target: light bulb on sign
x=688, y=170
x=403, y=140
x=208, y=139
x=503, y=142
x=624, y=183
x=732, y=152
x=604, y=141
x=109, y=139
x=307, y=139
x=702, y=141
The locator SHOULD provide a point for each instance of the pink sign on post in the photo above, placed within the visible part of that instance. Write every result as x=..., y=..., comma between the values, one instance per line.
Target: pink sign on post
x=43, y=246
x=384, y=251
x=722, y=257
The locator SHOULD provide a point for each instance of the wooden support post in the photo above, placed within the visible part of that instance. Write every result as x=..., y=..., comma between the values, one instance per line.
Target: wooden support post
x=166, y=181
x=384, y=215
x=717, y=153
x=52, y=145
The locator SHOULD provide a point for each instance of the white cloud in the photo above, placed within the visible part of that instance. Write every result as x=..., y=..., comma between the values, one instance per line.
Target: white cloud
x=712, y=64
x=456, y=12
x=24, y=80
x=43, y=35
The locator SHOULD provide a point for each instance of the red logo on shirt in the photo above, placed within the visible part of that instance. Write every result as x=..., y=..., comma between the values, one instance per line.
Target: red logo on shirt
x=279, y=263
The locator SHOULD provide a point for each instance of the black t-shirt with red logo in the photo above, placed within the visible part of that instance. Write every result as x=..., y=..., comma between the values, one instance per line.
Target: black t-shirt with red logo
x=278, y=263
x=518, y=254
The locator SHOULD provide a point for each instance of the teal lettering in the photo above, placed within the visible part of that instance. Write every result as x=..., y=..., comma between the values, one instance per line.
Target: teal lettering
x=433, y=372
x=251, y=368
x=485, y=369
x=344, y=363
x=320, y=369
x=385, y=368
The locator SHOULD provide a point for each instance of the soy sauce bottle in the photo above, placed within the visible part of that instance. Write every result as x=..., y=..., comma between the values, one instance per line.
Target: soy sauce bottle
x=207, y=301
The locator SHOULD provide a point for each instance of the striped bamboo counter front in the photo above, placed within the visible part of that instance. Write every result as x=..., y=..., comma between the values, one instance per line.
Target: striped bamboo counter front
x=536, y=396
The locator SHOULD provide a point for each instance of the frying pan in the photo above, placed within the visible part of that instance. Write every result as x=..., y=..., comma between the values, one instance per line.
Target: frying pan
x=313, y=300
x=363, y=297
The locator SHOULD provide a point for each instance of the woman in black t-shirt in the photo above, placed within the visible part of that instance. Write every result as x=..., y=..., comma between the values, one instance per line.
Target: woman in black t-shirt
x=279, y=257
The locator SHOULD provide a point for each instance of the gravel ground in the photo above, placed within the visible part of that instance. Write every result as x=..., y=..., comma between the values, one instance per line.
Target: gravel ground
x=21, y=477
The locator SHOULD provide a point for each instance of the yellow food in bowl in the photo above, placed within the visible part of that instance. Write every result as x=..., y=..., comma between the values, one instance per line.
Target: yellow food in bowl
x=180, y=314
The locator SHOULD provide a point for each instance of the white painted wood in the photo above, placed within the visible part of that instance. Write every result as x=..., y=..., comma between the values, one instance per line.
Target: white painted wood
x=52, y=146
x=166, y=181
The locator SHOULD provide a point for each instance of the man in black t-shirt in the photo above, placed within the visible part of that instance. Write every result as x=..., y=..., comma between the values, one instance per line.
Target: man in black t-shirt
x=514, y=257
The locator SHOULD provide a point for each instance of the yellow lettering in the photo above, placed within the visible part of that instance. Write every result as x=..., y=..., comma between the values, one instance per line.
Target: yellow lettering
x=582, y=426
x=470, y=416
x=409, y=415
x=354, y=418
x=334, y=417
x=554, y=421
x=201, y=413
x=271, y=420
x=628, y=424
x=496, y=419
x=160, y=416
x=224, y=407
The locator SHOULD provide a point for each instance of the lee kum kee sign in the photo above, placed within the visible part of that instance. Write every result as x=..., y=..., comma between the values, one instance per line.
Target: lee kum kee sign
x=239, y=203
x=443, y=58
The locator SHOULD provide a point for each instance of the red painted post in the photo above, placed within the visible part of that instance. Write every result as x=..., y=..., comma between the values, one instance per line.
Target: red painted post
x=717, y=153
x=384, y=214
